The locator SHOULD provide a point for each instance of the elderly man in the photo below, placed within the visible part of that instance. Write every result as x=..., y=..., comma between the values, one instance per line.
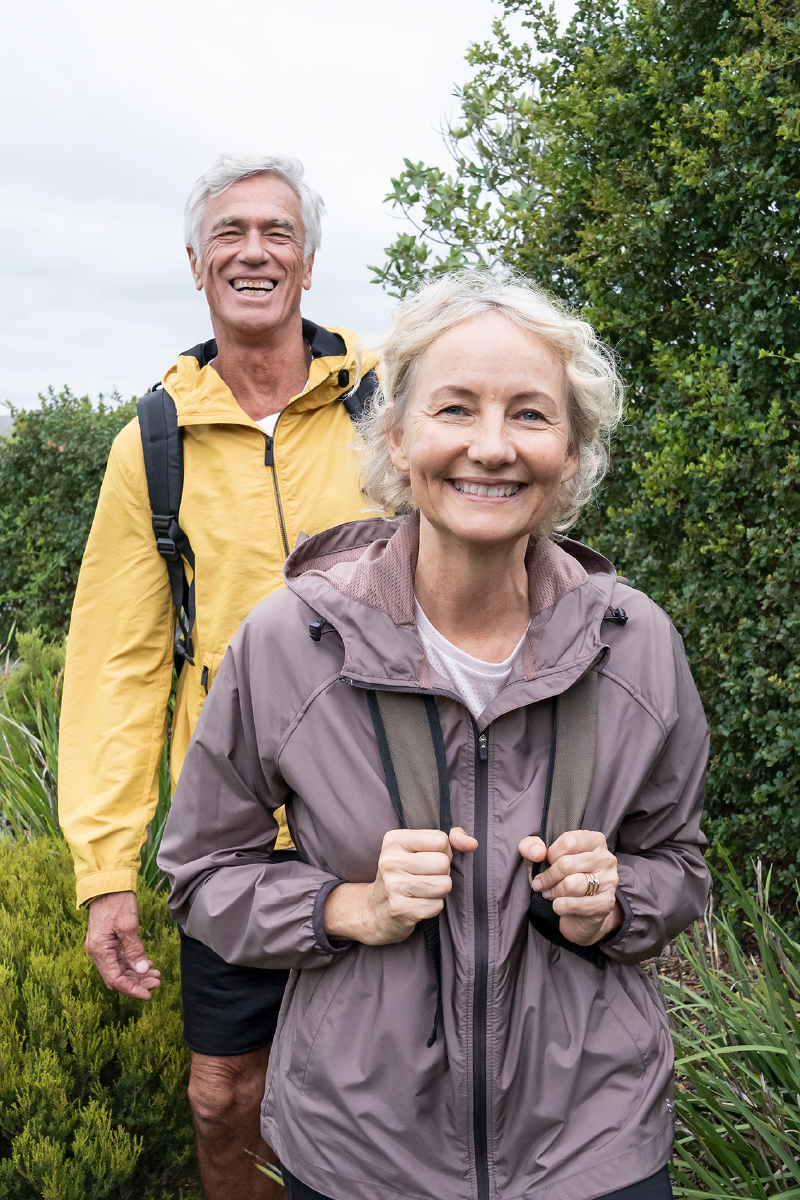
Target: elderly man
x=264, y=436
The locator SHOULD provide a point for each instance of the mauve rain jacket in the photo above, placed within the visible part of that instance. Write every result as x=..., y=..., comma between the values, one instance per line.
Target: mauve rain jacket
x=550, y=1077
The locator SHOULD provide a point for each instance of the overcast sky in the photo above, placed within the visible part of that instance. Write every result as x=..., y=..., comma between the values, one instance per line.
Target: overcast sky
x=113, y=109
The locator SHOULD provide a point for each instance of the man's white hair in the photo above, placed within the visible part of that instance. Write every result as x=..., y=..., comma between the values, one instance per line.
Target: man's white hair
x=228, y=169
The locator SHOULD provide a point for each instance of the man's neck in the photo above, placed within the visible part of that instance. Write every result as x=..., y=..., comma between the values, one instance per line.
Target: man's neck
x=264, y=376
x=477, y=597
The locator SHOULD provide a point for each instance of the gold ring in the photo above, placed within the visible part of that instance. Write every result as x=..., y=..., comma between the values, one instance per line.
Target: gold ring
x=592, y=884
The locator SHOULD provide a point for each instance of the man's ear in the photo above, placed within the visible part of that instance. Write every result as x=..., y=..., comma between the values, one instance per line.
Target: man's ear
x=308, y=267
x=194, y=263
x=394, y=438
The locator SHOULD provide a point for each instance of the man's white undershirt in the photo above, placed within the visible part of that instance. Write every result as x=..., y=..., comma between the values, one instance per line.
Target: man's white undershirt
x=476, y=682
x=268, y=423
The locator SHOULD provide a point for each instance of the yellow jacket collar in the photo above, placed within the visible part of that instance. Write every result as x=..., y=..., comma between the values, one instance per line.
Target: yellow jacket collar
x=201, y=397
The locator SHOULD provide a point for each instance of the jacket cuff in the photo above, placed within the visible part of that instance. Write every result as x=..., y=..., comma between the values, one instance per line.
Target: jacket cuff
x=101, y=883
x=621, y=933
x=317, y=923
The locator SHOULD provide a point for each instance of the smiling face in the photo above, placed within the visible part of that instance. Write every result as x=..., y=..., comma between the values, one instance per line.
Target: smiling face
x=252, y=266
x=485, y=440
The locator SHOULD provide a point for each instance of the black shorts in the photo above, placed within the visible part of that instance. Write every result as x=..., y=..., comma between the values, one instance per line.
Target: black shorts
x=657, y=1187
x=228, y=1010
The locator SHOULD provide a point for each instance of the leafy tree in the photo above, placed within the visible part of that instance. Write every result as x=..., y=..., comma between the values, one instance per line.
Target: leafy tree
x=643, y=165
x=51, y=468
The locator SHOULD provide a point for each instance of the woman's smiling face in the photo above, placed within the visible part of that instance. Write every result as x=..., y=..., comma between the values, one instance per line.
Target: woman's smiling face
x=485, y=440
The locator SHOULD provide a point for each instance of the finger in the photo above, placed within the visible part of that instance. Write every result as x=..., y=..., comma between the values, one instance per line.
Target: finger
x=419, y=887
x=418, y=840
x=578, y=884
x=421, y=863
x=590, y=907
x=576, y=864
x=461, y=840
x=133, y=950
x=575, y=841
x=533, y=849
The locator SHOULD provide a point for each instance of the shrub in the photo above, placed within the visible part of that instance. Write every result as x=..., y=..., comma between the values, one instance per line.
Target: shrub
x=92, y=1085
x=51, y=468
x=644, y=165
x=737, y=1049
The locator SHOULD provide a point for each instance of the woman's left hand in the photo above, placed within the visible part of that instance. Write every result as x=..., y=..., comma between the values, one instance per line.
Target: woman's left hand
x=573, y=857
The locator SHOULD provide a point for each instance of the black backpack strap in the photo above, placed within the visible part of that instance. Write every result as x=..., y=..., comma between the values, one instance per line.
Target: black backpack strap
x=573, y=750
x=162, y=446
x=358, y=399
x=412, y=753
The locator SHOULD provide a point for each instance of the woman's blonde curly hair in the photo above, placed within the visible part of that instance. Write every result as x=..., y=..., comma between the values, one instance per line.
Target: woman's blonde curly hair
x=594, y=387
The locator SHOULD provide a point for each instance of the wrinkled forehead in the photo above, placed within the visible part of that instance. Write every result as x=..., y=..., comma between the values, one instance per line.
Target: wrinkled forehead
x=489, y=356
x=262, y=200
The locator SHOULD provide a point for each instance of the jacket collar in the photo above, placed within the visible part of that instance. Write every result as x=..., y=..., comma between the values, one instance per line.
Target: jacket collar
x=359, y=578
x=201, y=397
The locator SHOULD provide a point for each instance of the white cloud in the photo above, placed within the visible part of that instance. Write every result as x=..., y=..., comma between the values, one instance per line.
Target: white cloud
x=112, y=110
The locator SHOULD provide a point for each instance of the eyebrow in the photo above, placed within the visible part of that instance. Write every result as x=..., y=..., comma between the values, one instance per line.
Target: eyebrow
x=451, y=389
x=272, y=223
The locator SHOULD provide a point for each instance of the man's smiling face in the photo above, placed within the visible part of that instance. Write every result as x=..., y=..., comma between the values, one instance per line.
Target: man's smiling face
x=252, y=267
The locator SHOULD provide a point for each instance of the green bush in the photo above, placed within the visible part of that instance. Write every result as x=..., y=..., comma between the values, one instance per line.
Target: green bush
x=737, y=1049
x=92, y=1085
x=644, y=165
x=51, y=468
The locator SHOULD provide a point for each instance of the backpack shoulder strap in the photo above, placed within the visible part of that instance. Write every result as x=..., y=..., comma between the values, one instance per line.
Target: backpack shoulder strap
x=357, y=401
x=412, y=753
x=573, y=751
x=162, y=447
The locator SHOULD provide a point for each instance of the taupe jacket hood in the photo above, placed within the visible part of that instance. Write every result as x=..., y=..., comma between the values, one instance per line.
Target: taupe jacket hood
x=551, y=1077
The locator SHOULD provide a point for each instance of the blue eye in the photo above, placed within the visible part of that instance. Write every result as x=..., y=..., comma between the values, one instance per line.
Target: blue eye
x=531, y=414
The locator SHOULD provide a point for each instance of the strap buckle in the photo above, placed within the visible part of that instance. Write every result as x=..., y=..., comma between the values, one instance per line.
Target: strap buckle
x=165, y=543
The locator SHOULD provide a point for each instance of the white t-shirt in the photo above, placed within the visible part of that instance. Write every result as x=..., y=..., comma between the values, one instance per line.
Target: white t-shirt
x=268, y=423
x=477, y=682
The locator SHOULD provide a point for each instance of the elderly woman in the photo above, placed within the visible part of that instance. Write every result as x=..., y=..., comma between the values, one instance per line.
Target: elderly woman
x=439, y=1038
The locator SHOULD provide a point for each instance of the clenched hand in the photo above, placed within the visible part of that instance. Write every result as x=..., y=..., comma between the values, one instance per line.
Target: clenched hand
x=583, y=919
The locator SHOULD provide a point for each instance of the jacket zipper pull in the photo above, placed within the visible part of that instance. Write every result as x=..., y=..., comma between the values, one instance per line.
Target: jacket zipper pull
x=204, y=678
x=483, y=752
x=269, y=457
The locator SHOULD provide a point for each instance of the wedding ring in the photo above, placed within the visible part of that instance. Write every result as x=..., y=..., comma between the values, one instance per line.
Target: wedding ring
x=592, y=884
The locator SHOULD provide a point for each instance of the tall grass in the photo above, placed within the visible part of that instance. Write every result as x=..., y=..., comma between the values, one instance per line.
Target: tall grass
x=737, y=1045
x=29, y=761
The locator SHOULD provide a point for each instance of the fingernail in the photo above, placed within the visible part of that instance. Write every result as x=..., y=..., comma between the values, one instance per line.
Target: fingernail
x=537, y=885
x=142, y=966
x=547, y=895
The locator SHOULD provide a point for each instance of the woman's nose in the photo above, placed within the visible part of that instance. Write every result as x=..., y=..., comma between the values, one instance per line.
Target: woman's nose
x=491, y=444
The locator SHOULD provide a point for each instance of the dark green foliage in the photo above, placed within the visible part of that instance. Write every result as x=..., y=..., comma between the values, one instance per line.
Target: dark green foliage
x=737, y=1049
x=645, y=166
x=51, y=468
x=92, y=1085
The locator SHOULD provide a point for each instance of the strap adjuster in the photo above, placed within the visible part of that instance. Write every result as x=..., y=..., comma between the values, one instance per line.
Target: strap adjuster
x=165, y=543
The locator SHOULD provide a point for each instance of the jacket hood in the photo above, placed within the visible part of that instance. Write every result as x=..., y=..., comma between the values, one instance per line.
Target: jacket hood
x=201, y=397
x=360, y=578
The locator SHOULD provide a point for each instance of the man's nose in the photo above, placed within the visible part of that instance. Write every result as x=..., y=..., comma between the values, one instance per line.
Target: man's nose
x=491, y=444
x=253, y=250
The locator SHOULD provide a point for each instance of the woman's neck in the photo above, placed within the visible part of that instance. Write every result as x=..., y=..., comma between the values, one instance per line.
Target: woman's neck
x=476, y=596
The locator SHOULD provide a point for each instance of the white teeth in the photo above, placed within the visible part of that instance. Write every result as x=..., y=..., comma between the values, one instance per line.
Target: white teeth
x=480, y=489
x=254, y=287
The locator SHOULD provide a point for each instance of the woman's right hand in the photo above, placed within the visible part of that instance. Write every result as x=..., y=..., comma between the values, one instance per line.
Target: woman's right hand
x=412, y=880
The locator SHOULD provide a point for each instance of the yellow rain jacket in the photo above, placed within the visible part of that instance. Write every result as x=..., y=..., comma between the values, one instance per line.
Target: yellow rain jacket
x=242, y=518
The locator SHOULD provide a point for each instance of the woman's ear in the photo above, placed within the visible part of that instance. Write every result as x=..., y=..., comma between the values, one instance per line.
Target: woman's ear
x=394, y=438
x=571, y=465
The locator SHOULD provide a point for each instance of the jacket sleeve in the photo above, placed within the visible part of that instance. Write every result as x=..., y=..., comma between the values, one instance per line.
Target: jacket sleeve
x=663, y=879
x=117, y=683
x=221, y=831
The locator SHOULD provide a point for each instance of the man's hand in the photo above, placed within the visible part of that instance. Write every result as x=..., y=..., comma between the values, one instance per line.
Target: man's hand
x=412, y=880
x=584, y=919
x=112, y=943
